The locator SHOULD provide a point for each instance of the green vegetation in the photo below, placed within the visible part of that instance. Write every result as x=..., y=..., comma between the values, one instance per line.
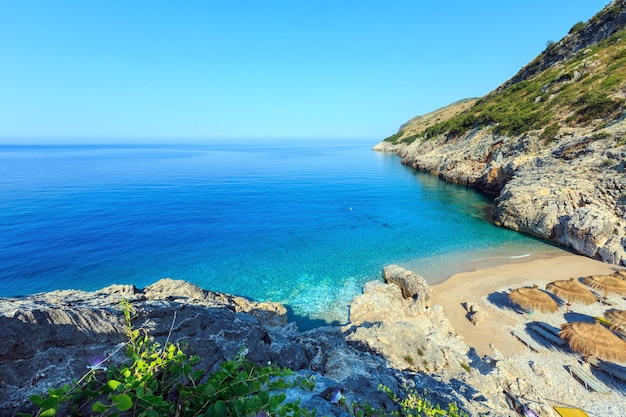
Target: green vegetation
x=514, y=111
x=410, y=139
x=601, y=135
x=594, y=104
x=161, y=381
x=416, y=405
x=577, y=27
x=550, y=132
x=585, y=90
x=395, y=138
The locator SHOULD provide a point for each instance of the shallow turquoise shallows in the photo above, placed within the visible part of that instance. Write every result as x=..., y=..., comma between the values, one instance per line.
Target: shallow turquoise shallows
x=302, y=224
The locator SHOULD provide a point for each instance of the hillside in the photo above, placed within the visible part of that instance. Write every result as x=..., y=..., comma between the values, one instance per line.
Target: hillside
x=549, y=143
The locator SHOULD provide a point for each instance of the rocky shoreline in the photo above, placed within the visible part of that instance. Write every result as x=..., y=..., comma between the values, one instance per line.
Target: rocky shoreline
x=549, y=143
x=395, y=338
x=571, y=192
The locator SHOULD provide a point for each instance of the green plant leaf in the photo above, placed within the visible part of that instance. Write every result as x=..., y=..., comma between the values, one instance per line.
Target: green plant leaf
x=253, y=404
x=239, y=408
x=122, y=402
x=153, y=399
x=242, y=389
x=275, y=401
x=98, y=407
x=113, y=384
x=210, y=390
x=35, y=399
x=50, y=412
x=51, y=402
x=220, y=408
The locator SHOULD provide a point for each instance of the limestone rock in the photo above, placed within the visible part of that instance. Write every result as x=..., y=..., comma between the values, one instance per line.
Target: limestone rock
x=381, y=302
x=169, y=288
x=408, y=337
x=569, y=191
x=412, y=285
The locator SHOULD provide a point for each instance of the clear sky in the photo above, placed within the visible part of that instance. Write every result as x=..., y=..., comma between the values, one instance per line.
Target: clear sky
x=188, y=71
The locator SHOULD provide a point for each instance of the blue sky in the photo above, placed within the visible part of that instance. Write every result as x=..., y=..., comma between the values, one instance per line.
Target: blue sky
x=193, y=71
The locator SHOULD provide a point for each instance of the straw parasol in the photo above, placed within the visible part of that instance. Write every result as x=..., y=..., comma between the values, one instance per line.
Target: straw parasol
x=533, y=299
x=593, y=339
x=607, y=283
x=571, y=290
x=616, y=317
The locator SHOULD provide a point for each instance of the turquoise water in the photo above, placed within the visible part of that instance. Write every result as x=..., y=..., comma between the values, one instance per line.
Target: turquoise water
x=302, y=224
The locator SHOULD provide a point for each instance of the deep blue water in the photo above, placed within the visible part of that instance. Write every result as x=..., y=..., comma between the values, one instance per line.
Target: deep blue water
x=306, y=225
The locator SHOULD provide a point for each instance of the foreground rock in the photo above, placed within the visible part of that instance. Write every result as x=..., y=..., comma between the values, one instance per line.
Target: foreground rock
x=49, y=339
x=388, y=324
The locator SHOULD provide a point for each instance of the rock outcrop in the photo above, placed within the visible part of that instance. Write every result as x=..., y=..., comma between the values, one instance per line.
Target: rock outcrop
x=50, y=339
x=412, y=285
x=385, y=322
x=563, y=180
x=543, y=191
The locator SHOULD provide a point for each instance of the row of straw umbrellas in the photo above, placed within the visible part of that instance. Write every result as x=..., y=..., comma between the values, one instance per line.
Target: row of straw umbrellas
x=589, y=339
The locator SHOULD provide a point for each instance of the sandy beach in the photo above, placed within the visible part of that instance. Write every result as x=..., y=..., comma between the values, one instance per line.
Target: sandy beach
x=486, y=286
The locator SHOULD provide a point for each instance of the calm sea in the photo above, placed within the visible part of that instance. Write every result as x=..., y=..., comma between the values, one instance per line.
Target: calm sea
x=302, y=224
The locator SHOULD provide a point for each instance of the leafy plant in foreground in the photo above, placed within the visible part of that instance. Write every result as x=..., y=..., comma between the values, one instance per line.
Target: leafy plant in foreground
x=162, y=381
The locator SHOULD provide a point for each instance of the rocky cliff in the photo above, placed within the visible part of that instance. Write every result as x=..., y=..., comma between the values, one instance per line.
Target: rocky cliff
x=394, y=338
x=549, y=144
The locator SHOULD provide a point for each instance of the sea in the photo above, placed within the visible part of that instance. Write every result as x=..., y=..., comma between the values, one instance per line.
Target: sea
x=302, y=223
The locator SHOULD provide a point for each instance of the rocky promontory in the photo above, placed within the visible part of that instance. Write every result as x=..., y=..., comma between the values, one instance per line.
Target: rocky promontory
x=571, y=192
x=395, y=338
x=549, y=144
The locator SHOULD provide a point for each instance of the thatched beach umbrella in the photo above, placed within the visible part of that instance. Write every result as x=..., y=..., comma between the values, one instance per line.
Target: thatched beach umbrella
x=607, y=284
x=533, y=299
x=572, y=291
x=616, y=317
x=593, y=339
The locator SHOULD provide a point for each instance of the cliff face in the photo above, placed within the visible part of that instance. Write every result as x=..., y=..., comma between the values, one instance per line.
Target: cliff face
x=549, y=143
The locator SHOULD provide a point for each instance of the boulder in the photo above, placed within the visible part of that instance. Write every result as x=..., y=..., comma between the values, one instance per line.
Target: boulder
x=379, y=303
x=413, y=286
x=383, y=321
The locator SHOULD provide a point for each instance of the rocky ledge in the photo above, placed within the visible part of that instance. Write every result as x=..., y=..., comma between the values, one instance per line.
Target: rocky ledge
x=395, y=337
